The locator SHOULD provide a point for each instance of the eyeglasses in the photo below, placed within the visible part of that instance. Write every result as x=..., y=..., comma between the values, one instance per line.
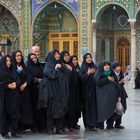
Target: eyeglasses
x=75, y=59
x=66, y=55
x=88, y=57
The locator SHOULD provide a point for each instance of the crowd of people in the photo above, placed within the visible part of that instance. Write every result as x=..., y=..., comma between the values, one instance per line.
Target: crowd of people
x=53, y=97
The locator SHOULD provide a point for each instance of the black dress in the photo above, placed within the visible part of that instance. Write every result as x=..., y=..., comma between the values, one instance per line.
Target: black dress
x=70, y=115
x=36, y=72
x=75, y=95
x=54, y=93
x=88, y=94
x=26, y=119
x=9, y=99
x=107, y=93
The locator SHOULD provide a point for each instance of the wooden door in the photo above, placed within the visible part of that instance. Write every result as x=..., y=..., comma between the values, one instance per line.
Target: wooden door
x=64, y=41
x=123, y=55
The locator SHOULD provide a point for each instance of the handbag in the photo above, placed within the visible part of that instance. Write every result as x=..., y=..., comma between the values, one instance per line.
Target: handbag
x=119, y=108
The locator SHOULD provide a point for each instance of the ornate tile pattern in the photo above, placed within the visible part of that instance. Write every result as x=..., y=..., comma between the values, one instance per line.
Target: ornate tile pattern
x=26, y=26
x=37, y=4
x=84, y=26
x=14, y=6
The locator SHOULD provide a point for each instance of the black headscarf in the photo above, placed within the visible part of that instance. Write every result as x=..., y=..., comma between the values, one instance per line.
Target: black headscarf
x=100, y=69
x=85, y=65
x=63, y=53
x=3, y=63
x=14, y=59
x=30, y=60
x=71, y=63
x=50, y=59
x=24, y=75
x=5, y=72
x=115, y=64
x=35, y=69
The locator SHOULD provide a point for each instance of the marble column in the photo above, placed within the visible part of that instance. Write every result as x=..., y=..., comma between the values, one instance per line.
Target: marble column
x=133, y=49
x=94, y=25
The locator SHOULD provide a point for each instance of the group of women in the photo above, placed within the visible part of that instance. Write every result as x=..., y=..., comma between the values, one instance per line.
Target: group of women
x=52, y=98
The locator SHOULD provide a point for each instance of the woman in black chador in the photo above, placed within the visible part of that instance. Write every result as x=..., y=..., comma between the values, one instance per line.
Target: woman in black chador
x=68, y=119
x=9, y=84
x=54, y=92
x=116, y=66
x=137, y=79
x=87, y=72
x=107, y=93
x=75, y=97
x=36, y=71
x=26, y=118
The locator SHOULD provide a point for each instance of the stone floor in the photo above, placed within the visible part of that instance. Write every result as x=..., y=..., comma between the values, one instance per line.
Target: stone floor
x=131, y=121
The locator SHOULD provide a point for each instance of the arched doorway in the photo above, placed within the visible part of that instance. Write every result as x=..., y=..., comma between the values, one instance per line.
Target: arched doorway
x=55, y=26
x=112, y=23
x=123, y=52
x=9, y=31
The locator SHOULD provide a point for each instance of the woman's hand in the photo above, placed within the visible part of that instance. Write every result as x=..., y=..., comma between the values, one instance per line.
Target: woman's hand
x=110, y=78
x=39, y=80
x=12, y=85
x=122, y=81
x=19, y=68
x=69, y=67
x=90, y=71
x=23, y=86
x=58, y=66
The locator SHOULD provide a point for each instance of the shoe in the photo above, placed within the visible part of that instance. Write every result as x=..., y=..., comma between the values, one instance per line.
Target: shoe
x=76, y=127
x=15, y=136
x=87, y=129
x=66, y=130
x=59, y=132
x=94, y=129
x=108, y=128
x=50, y=132
x=34, y=130
x=120, y=127
x=6, y=136
x=71, y=129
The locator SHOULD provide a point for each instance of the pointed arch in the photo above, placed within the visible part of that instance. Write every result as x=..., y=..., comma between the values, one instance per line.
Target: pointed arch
x=103, y=7
x=48, y=3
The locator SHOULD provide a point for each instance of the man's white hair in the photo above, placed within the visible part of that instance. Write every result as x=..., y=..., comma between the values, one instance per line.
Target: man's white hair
x=33, y=47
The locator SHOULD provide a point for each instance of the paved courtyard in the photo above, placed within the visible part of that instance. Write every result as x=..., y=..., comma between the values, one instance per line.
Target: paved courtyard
x=131, y=121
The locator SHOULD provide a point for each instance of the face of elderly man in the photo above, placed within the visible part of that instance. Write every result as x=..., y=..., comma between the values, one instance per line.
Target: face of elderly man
x=36, y=51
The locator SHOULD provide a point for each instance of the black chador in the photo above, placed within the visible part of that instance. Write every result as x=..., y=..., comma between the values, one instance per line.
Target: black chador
x=88, y=68
x=24, y=95
x=74, y=96
x=54, y=92
x=36, y=71
x=9, y=108
x=69, y=117
x=123, y=94
x=107, y=92
x=137, y=79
